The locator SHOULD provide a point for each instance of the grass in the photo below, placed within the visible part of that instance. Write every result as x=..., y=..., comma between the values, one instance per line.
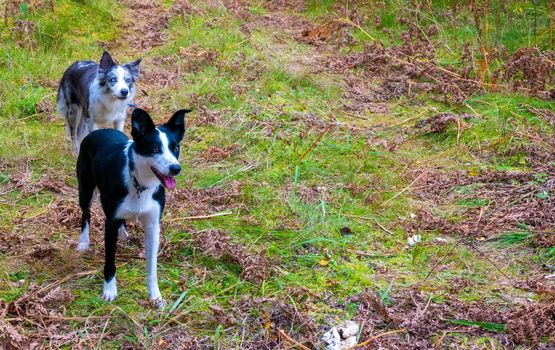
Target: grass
x=301, y=232
x=498, y=327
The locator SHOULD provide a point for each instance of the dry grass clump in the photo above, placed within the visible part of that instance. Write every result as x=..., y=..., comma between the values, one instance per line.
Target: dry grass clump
x=44, y=309
x=421, y=319
x=529, y=68
x=255, y=267
x=440, y=122
x=513, y=198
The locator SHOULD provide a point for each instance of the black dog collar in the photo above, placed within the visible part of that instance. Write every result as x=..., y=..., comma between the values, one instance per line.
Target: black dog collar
x=140, y=189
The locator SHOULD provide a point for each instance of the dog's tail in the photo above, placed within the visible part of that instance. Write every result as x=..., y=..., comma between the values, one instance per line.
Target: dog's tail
x=76, y=127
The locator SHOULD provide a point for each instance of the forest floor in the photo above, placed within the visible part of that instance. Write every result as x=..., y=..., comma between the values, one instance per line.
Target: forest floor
x=326, y=136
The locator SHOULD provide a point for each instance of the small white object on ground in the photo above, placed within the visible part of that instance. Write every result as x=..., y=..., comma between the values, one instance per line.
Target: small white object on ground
x=342, y=337
x=441, y=240
x=332, y=339
x=412, y=240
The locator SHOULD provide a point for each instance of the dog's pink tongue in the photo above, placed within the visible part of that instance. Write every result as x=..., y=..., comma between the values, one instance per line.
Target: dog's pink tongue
x=169, y=182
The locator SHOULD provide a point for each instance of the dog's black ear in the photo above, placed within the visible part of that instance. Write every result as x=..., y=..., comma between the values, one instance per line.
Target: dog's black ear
x=133, y=67
x=141, y=124
x=106, y=62
x=177, y=122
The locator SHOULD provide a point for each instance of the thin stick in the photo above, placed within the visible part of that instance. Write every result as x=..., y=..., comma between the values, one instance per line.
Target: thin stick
x=200, y=217
x=443, y=258
x=551, y=30
x=351, y=115
x=489, y=260
x=383, y=227
x=58, y=318
x=7, y=191
x=313, y=144
x=473, y=110
x=12, y=204
x=376, y=337
x=19, y=119
x=99, y=341
x=401, y=123
x=296, y=343
x=63, y=280
x=426, y=307
x=403, y=190
x=247, y=167
x=368, y=218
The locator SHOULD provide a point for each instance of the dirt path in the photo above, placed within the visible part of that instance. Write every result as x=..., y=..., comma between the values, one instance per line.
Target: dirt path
x=145, y=25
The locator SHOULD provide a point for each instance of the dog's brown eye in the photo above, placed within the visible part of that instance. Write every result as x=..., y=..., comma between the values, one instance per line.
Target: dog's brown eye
x=176, y=149
x=156, y=150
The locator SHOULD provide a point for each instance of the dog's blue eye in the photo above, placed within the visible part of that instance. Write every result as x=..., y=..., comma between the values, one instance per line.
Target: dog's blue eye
x=128, y=81
x=176, y=149
x=113, y=80
x=156, y=150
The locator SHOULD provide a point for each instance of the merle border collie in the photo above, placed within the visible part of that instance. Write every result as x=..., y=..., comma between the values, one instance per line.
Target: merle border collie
x=131, y=177
x=92, y=95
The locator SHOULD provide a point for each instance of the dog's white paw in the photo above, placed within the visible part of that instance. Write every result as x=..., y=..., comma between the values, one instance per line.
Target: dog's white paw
x=83, y=246
x=110, y=291
x=122, y=234
x=159, y=303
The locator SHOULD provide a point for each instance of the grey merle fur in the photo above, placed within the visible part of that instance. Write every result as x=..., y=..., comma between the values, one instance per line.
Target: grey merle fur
x=92, y=95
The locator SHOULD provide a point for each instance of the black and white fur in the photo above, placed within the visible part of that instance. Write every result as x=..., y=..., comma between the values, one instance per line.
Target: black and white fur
x=131, y=177
x=91, y=95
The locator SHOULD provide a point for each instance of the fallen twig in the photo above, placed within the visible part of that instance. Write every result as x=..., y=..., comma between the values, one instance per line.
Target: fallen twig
x=443, y=258
x=49, y=318
x=403, y=190
x=296, y=343
x=246, y=168
x=200, y=217
x=63, y=280
x=376, y=337
x=371, y=219
x=313, y=145
x=489, y=260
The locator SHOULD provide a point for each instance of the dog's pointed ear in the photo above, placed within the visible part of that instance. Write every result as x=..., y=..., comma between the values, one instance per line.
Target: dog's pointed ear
x=177, y=122
x=141, y=124
x=133, y=67
x=106, y=62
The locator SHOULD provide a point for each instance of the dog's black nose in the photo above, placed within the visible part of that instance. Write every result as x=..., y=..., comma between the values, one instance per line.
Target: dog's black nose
x=124, y=92
x=175, y=169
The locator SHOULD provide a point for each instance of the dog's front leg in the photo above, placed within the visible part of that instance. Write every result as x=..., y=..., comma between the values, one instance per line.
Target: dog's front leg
x=110, y=291
x=151, y=225
x=119, y=123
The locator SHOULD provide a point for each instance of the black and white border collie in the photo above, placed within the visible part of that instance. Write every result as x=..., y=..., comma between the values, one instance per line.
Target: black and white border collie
x=131, y=177
x=92, y=95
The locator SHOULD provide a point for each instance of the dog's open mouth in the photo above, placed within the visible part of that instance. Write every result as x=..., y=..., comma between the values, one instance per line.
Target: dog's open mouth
x=168, y=181
x=120, y=97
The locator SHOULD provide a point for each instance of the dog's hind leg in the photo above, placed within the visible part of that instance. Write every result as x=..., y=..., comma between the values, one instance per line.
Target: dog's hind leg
x=122, y=233
x=64, y=109
x=80, y=129
x=70, y=113
x=110, y=291
x=86, y=197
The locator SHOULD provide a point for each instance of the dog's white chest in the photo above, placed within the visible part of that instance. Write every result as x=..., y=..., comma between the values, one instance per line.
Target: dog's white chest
x=134, y=206
x=106, y=110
